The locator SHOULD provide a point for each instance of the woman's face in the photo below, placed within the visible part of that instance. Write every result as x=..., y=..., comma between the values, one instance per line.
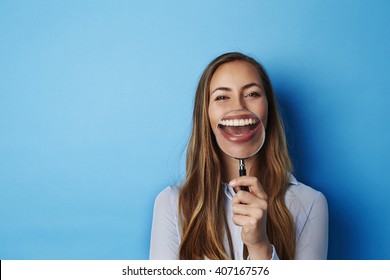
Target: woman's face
x=237, y=104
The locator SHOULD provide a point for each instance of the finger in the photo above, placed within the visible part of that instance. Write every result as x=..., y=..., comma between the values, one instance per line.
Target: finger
x=250, y=210
x=243, y=197
x=244, y=221
x=253, y=183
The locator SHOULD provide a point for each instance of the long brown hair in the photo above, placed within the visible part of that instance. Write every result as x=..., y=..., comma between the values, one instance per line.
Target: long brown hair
x=201, y=202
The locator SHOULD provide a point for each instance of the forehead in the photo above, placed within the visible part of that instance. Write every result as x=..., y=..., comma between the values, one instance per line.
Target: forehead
x=235, y=74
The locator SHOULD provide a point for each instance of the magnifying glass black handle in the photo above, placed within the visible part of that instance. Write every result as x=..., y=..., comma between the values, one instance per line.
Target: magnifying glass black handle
x=242, y=172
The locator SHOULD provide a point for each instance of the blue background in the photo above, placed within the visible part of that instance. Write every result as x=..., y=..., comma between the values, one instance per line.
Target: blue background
x=96, y=102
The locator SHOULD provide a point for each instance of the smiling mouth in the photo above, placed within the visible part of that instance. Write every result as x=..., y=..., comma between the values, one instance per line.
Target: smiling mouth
x=238, y=127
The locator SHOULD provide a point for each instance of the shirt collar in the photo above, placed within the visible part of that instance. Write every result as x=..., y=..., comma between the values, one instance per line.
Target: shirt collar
x=229, y=190
x=292, y=180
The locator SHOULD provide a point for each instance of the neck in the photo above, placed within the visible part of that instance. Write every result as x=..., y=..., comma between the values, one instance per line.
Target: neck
x=231, y=167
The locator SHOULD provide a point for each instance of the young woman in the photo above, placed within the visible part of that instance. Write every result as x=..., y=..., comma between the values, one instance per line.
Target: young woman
x=209, y=216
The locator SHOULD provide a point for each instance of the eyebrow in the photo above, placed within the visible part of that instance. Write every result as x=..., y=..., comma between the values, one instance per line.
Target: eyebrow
x=244, y=87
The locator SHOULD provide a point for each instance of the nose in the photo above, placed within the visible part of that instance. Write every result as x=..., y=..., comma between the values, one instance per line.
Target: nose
x=239, y=103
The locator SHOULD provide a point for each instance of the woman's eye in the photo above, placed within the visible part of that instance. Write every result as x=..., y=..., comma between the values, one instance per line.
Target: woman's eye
x=221, y=98
x=253, y=94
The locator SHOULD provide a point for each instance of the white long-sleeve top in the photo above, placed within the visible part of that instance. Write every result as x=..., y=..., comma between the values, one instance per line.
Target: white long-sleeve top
x=307, y=206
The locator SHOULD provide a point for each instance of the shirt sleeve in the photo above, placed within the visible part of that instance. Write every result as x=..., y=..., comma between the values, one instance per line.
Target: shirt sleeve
x=274, y=256
x=164, y=242
x=312, y=240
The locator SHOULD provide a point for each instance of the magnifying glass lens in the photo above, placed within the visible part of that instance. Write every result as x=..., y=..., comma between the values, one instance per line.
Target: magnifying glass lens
x=240, y=134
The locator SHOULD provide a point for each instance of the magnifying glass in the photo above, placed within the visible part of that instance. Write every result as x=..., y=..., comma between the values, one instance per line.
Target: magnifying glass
x=240, y=134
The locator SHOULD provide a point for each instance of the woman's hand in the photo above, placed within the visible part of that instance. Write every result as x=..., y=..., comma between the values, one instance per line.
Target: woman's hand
x=250, y=212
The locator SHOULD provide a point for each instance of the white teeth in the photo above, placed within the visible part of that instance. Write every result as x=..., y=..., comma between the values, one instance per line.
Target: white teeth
x=237, y=122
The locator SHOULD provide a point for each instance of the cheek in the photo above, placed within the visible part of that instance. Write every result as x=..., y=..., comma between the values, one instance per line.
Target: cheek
x=262, y=111
x=264, y=118
x=213, y=118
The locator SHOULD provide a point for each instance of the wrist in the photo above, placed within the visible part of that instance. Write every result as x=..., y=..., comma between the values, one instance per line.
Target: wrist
x=260, y=251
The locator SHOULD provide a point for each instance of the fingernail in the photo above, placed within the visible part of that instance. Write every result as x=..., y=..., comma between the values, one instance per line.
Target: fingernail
x=232, y=182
